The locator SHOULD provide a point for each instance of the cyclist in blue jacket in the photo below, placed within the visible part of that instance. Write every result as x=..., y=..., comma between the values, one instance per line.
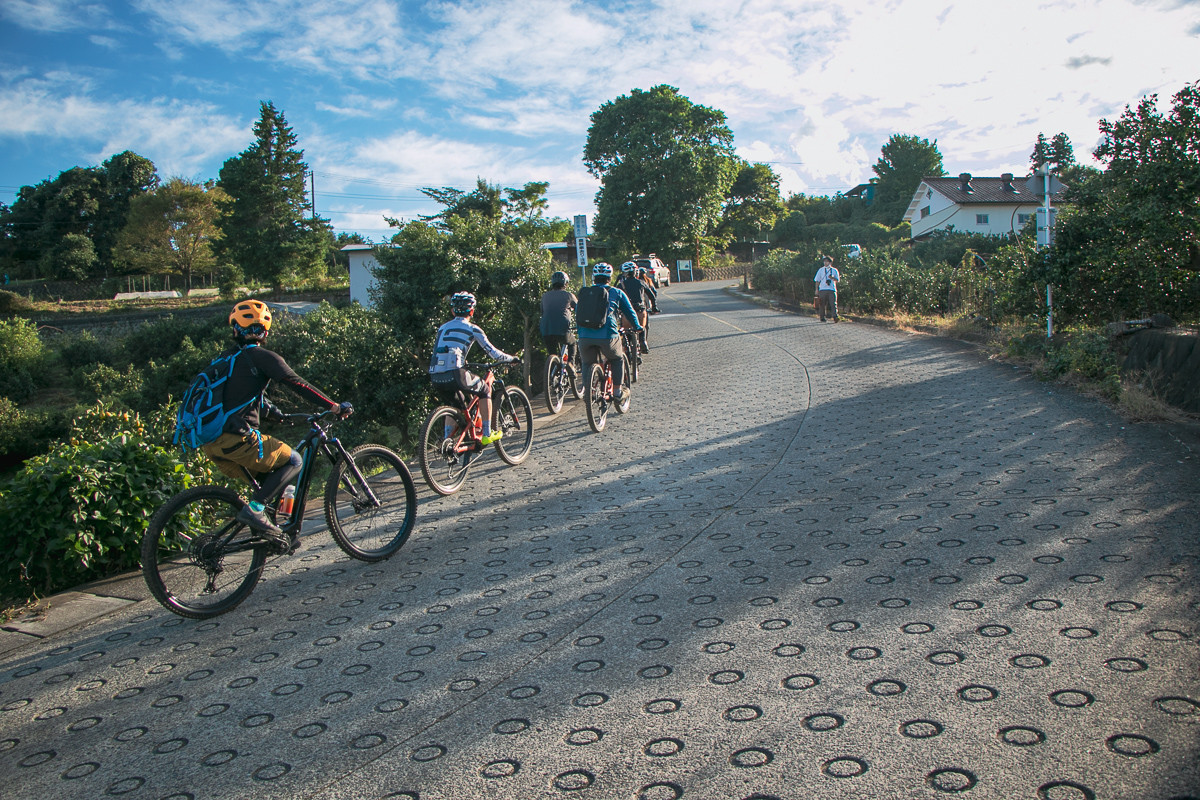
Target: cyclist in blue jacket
x=606, y=340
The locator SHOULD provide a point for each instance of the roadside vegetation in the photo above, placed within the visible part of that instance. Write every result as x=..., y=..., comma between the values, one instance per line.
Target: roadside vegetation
x=86, y=415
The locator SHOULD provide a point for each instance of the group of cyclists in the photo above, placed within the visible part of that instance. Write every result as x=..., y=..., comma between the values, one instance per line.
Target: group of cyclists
x=628, y=304
x=244, y=448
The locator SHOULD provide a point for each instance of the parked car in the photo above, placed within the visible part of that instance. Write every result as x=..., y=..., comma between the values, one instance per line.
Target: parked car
x=659, y=274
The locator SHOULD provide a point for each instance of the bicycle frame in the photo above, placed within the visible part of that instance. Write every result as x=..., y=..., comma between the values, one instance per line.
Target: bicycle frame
x=466, y=440
x=316, y=441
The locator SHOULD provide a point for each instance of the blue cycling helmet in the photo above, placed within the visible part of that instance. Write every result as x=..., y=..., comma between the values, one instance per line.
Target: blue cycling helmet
x=602, y=268
x=628, y=267
x=462, y=304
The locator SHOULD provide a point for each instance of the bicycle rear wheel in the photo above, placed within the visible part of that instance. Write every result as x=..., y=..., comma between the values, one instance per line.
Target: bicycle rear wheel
x=513, y=415
x=371, y=503
x=196, y=559
x=632, y=359
x=556, y=380
x=575, y=373
x=443, y=468
x=593, y=395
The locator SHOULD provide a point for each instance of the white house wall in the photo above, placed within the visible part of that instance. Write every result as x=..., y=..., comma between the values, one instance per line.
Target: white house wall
x=1002, y=219
x=362, y=277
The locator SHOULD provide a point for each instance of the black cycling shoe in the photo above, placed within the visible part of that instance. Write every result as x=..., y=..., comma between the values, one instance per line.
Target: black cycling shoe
x=258, y=522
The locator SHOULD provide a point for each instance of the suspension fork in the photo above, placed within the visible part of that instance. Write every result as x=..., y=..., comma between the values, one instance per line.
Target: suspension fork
x=336, y=450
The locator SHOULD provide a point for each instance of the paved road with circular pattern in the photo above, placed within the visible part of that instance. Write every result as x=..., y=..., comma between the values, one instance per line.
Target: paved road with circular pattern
x=815, y=560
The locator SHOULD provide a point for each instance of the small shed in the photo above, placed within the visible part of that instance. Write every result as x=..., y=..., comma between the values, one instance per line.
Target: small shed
x=362, y=273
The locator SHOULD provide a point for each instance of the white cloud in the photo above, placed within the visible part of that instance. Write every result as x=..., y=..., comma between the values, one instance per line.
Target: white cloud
x=56, y=15
x=180, y=137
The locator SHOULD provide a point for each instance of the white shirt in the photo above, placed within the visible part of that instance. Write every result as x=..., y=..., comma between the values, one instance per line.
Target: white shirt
x=827, y=278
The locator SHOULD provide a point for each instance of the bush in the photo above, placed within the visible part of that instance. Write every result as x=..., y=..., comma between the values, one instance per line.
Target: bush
x=101, y=382
x=26, y=433
x=77, y=513
x=21, y=357
x=12, y=303
x=85, y=350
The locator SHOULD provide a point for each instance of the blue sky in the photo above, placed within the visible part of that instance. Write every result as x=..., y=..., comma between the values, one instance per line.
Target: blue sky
x=387, y=96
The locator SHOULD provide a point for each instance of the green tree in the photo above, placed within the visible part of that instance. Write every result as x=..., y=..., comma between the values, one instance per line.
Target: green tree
x=41, y=229
x=267, y=228
x=126, y=176
x=171, y=230
x=753, y=205
x=1131, y=244
x=903, y=162
x=665, y=167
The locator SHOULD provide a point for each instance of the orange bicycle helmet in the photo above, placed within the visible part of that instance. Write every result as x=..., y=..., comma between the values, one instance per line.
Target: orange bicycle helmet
x=247, y=314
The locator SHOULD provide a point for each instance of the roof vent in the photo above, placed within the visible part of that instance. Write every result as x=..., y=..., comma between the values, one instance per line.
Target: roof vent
x=964, y=182
x=1008, y=182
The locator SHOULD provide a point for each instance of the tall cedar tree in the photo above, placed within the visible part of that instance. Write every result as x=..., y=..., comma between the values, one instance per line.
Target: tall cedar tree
x=268, y=230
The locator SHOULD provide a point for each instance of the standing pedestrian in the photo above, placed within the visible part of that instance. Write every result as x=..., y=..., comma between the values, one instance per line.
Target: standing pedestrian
x=826, y=281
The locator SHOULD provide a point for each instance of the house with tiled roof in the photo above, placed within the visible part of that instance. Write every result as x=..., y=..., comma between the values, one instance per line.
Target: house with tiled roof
x=991, y=206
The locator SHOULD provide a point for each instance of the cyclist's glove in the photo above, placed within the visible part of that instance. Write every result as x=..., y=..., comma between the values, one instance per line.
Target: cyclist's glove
x=272, y=412
x=344, y=410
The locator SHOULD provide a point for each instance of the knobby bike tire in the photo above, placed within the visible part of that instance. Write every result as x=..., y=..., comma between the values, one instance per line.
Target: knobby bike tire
x=574, y=371
x=555, y=384
x=593, y=395
x=366, y=529
x=513, y=416
x=197, y=561
x=443, y=470
x=623, y=407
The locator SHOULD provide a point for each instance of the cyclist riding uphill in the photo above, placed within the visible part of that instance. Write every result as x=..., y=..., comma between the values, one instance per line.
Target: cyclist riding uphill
x=555, y=325
x=604, y=338
x=243, y=445
x=640, y=295
x=447, y=367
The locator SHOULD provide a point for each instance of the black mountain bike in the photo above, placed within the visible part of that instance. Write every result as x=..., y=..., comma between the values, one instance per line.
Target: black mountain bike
x=562, y=376
x=633, y=358
x=450, y=438
x=199, y=561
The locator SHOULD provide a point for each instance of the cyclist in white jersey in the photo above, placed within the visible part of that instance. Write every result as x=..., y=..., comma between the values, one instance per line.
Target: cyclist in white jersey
x=447, y=367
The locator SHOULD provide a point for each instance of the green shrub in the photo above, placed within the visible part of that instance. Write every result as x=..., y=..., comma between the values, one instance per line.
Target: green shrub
x=11, y=302
x=77, y=513
x=101, y=382
x=25, y=433
x=84, y=349
x=21, y=356
x=162, y=338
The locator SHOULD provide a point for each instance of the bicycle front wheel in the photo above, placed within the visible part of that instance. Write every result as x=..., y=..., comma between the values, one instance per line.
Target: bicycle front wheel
x=197, y=560
x=593, y=395
x=513, y=416
x=556, y=379
x=443, y=468
x=371, y=503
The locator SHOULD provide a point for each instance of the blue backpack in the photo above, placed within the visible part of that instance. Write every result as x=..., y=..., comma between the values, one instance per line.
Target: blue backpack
x=202, y=414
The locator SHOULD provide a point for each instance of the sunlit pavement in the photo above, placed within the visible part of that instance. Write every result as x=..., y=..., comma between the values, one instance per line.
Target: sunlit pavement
x=814, y=560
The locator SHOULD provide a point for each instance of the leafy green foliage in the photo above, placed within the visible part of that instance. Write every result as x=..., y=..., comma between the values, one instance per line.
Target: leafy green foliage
x=903, y=162
x=79, y=511
x=170, y=229
x=21, y=358
x=665, y=167
x=1130, y=246
x=66, y=226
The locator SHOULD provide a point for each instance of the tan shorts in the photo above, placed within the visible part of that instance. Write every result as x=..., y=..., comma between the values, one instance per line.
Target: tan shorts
x=232, y=452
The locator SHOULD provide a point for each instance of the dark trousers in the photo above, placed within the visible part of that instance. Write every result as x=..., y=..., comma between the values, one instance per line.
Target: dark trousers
x=827, y=304
x=590, y=351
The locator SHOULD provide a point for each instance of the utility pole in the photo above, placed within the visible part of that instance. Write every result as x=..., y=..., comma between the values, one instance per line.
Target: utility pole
x=312, y=192
x=1044, y=184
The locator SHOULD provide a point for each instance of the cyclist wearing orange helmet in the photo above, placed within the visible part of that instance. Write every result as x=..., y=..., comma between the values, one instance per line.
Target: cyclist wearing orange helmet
x=243, y=445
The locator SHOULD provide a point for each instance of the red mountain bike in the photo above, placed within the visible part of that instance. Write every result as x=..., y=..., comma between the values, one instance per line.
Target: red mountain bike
x=450, y=436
